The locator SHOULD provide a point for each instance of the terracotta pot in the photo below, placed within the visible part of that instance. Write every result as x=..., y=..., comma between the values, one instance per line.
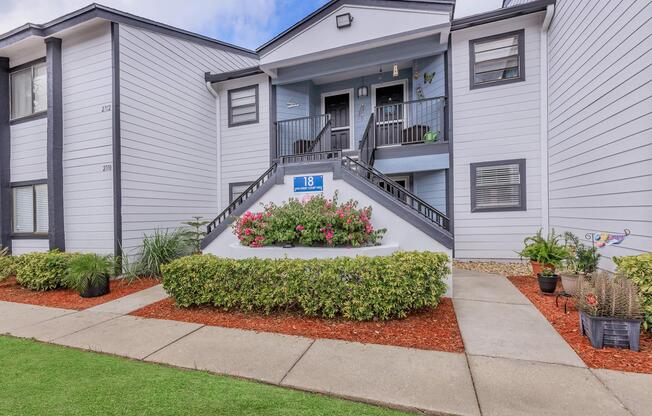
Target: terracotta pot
x=537, y=268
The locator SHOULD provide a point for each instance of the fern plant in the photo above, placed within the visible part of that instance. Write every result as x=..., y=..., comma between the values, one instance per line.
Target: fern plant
x=544, y=250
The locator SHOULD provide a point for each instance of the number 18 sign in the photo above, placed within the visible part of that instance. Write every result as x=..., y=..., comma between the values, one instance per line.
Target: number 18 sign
x=309, y=183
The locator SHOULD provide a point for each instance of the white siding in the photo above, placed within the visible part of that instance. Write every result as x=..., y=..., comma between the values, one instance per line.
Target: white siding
x=168, y=130
x=600, y=122
x=29, y=150
x=244, y=149
x=23, y=246
x=87, y=140
x=496, y=123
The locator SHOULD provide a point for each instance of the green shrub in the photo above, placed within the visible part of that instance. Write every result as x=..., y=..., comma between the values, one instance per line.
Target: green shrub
x=360, y=288
x=639, y=270
x=7, y=266
x=312, y=221
x=160, y=248
x=42, y=271
x=87, y=270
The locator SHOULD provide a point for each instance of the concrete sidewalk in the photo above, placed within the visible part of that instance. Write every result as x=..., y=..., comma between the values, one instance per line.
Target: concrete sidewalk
x=519, y=363
x=516, y=364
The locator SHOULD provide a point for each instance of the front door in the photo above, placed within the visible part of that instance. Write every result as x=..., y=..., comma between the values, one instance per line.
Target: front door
x=389, y=114
x=337, y=106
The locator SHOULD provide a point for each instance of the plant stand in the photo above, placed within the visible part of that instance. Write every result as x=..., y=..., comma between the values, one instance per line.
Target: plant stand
x=564, y=295
x=611, y=332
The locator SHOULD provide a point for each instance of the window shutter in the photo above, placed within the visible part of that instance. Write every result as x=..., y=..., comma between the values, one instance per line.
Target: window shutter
x=243, y=106
x=498, y=186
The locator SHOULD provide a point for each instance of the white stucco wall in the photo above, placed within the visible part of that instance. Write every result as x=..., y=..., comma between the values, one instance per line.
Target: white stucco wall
x=400, y=233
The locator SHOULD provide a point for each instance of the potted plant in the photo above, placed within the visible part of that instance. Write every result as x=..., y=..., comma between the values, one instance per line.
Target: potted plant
x=543, y=252
x=548, y=280
x=610, y=311
x=89, y=274
x=581, y=260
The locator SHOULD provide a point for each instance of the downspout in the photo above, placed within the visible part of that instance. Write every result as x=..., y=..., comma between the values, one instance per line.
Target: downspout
x=543, y=76
x=218, y=137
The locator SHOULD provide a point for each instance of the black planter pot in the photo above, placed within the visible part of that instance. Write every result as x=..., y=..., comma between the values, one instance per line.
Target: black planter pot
x=99, y=289
x=548, y=284
x=605, y=331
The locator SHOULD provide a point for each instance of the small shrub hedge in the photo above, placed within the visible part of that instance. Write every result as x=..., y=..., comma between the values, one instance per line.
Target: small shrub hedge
x=311, y=221
x=7, y=267
x=42, y=271
x=639, y=270
x=361, y=288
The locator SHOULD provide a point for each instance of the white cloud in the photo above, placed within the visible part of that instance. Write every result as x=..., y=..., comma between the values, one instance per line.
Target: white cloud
x=245, y=23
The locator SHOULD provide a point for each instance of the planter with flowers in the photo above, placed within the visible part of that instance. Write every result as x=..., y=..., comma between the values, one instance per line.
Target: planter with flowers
x=610, y=311
x=311, y=222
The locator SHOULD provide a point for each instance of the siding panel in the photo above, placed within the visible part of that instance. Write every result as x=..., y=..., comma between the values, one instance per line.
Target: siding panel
x=87, y=140
x=168, y=131
x=600, y=118
x=29, y=150
x=496, y=123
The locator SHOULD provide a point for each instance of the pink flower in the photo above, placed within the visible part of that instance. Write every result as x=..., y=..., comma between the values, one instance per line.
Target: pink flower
x=300, y=227
x=248, y=231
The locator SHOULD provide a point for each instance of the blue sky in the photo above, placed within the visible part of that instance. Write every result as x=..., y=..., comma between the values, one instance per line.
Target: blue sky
x=247, y=23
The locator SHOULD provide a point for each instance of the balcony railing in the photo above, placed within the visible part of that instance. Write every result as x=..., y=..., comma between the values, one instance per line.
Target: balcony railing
x=303, y=135
x=410, y=122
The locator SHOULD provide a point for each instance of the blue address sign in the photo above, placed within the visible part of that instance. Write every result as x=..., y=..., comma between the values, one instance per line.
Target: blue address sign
x=314, y=183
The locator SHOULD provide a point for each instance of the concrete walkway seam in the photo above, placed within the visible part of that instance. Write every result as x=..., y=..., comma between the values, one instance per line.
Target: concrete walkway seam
x=297, y=361
x=613, y=393
x=172, y=342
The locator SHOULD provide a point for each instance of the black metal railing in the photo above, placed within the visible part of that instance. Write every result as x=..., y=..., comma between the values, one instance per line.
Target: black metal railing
x=303, y=135
x=398, y=192
x=241, y=198
x=409, y=122
x=368, y=142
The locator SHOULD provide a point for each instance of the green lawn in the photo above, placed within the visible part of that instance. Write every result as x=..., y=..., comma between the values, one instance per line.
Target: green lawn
x=40, y=379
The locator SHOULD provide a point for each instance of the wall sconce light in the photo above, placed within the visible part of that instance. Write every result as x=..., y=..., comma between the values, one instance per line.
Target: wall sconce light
x=343, y=20
x=363, y=91
x=395, y=71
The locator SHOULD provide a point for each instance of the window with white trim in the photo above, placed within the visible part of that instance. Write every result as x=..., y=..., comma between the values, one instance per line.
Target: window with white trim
x=243, y=106
x=498, y=186
x=30, y=209
x=29, y=91
x=497, y=59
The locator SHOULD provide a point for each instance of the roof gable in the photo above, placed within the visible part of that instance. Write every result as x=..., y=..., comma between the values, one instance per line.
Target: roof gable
x=375, y=23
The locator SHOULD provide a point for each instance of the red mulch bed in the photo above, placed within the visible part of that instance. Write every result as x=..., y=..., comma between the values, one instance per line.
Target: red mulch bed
x=11, y=291
x=429, y=329
x=568, y=327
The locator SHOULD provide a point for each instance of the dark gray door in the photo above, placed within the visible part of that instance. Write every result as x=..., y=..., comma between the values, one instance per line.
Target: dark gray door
x=337, y=106
x=389, y=114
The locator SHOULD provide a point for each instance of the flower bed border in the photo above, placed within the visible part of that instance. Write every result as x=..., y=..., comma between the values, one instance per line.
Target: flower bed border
x=567, y=325
x=429, y=329
x=11, y=291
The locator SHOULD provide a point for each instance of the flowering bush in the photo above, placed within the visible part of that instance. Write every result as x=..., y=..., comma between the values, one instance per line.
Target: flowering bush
x=312, y=221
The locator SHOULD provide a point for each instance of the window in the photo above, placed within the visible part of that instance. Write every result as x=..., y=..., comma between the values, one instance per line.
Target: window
x=497, y=60
x=498, y=186
x=31, y=209
x=243, y=106
x=236, y=189
x=29, y=91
